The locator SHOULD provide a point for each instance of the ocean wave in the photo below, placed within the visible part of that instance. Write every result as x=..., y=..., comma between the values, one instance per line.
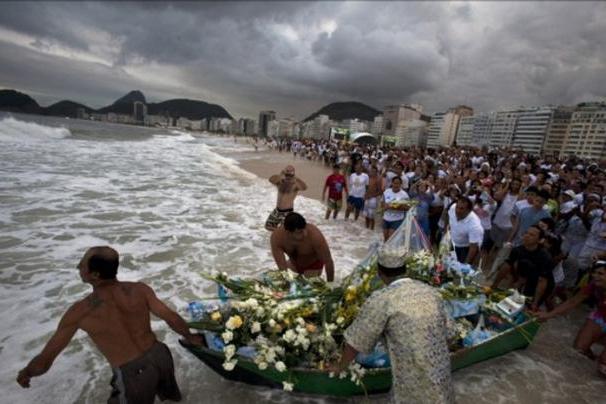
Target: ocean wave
x=14, y=130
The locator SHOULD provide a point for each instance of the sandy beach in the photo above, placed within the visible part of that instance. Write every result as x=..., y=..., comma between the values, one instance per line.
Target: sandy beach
x=266, y=163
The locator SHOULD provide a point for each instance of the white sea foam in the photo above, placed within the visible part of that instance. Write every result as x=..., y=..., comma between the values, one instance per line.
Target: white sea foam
x=13, y=130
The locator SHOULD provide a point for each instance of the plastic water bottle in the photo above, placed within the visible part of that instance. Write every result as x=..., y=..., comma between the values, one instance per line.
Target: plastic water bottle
x=196, y=310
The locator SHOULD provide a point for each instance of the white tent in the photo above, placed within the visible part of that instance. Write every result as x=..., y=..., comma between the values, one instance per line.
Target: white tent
x=363, y=137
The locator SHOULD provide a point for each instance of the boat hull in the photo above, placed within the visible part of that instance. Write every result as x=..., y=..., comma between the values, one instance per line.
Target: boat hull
x=376, y=381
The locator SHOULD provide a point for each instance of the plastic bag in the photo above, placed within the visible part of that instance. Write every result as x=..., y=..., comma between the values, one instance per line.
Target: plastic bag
x=462, y=308
x=478, y=335
x=378, y=358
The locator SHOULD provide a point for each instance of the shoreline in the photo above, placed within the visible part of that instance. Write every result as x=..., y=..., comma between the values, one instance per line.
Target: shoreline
x=269, y=162
x=265, y=163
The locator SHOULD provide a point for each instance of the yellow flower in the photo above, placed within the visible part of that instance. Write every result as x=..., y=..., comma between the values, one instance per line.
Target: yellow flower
x=350, y=295
x=311, y=328
x=234, y=322
x=216, y=316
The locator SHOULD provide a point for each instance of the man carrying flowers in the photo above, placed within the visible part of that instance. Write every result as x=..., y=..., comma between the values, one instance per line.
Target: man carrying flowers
x=411, y=317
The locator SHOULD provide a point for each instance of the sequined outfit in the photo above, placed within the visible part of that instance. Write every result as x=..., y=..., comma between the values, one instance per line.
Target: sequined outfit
x=411, y=317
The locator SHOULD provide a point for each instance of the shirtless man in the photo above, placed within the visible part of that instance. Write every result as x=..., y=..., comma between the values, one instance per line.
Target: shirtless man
x=305, y=245
x=116, y=317
x=372, y=197
x=288, y=187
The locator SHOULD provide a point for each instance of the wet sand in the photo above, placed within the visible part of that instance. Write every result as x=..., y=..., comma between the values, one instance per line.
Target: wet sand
x=267, y=163
x=548, y=371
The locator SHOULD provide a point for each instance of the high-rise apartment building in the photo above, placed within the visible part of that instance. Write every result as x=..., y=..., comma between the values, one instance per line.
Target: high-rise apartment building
x=503, y=127
x=531, y=129
x=377, y=125
x=465, y=131
x=482, y=129
x=320, y=127
x=411, y=132
x=394, y=114
x=443, y=127
x=434, y=129
x=587, y=132
x=139, y=112
x=264, y=118
x=558, y=130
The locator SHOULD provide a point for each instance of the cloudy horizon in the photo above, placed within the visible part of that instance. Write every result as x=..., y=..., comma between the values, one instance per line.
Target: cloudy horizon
x=295, y=57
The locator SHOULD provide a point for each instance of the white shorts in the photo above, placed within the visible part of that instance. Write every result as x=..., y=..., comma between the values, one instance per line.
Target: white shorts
x=370, y=208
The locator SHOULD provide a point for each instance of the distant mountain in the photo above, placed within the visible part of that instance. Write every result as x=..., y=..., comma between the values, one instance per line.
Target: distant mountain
x=66, y=108
x=131, y=97
x=14, y=101
x=191, y=109
x=124, y=105
x=339, y=111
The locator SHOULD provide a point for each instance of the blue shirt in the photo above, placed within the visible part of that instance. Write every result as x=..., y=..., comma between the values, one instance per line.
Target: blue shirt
x=528, y=217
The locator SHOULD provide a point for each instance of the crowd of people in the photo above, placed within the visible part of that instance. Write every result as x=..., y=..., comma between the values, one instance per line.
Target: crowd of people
x=537, y=224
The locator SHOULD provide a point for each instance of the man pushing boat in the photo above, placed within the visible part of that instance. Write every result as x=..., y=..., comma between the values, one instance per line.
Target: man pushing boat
x=305, y=247
x=116, y=315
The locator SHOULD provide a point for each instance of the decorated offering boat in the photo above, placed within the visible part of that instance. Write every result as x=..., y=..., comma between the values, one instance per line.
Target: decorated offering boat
x=283, y=331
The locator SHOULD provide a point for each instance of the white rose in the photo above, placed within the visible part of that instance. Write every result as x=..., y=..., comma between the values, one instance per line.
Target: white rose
x=260, y=311
x=229, y=351
x=280, y=366
x=255, y=327
x=287, y=386
x=270, y=355
x=289, y=336
x=227, y=336
x=262, y=365
x=272, y=323
x=230, y=365
x=252, y=303
x=340, y=320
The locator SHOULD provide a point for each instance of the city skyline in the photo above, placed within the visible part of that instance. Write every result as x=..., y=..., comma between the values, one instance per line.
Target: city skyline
x=296, y=57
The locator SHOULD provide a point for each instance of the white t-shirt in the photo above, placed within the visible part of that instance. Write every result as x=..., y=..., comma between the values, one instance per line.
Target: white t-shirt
x=477, y=160
x=390, y=197
x=503, y=215
x=358, y=184
x=485, y=212
x=467, y=231
x=390, y=175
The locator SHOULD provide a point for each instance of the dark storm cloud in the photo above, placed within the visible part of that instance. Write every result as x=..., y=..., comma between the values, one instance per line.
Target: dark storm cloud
x=295, y=57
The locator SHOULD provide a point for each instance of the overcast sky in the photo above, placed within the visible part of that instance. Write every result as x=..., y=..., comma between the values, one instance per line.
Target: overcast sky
x=295, y=57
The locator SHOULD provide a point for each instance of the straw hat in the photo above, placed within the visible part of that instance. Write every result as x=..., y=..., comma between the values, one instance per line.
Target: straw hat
x=391, y=257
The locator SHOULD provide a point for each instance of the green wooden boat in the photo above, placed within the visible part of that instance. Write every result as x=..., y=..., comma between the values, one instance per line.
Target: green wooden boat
x=376, y=381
